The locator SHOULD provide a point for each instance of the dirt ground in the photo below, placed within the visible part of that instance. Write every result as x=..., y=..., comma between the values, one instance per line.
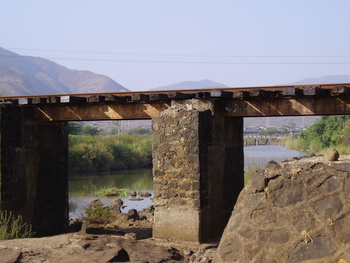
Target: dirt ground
x=130, y=241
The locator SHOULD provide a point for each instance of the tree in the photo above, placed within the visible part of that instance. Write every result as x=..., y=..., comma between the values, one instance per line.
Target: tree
x=344, y=136
x=75, y=128
x=90, y=130
x=284, y=130
x=326, y=130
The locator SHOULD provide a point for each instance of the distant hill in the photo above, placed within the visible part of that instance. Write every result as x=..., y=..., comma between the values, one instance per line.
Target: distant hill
x=202, y=84
x=324, y=80
x=23, y=75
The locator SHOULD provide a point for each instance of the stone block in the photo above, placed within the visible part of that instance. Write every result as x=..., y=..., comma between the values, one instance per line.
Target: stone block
x=176, y=224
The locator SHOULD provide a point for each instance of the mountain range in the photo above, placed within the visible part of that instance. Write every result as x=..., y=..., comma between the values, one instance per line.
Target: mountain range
x=24, y=75
x=202, y=84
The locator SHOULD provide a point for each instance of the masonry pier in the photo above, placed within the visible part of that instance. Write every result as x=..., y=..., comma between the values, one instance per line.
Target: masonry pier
x=34, y=170
x=197, y=168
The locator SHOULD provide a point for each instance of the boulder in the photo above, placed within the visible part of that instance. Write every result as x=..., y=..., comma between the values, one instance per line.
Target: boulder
x=116, y=205
x=144, y=194
x=294, y=211
x=132, y=214
x=333, y=155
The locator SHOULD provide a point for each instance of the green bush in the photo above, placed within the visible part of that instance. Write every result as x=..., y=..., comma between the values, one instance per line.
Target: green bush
x=12, y=226
x=326, y=130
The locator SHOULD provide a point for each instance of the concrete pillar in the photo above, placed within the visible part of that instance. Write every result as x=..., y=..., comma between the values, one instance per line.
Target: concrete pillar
x=34, y=170
x=198, y=170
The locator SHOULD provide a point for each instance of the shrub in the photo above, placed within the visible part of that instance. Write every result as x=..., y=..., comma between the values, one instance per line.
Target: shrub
x=11, y=226
x=98, y=214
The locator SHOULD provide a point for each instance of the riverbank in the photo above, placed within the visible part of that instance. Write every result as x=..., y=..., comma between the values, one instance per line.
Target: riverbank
x=130, y=241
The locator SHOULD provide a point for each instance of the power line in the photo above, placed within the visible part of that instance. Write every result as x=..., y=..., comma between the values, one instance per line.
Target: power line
x=194, y=62
x=182, y=55
x=203, y=62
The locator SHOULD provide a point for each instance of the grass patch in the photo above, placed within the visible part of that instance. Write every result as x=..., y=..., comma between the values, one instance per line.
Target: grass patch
x=12, y=226
x=113, y=191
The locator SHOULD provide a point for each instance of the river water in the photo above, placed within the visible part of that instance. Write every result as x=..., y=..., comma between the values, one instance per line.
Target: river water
x=82, y=187
x=260, y=155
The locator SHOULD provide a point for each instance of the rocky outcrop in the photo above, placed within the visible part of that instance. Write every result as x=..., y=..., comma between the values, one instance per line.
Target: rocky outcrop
x=294, y=211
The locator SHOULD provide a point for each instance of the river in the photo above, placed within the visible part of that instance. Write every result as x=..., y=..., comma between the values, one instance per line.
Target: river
x=82, y=187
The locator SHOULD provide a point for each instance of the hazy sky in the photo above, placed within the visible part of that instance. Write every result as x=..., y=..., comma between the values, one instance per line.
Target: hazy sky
x=147, y=43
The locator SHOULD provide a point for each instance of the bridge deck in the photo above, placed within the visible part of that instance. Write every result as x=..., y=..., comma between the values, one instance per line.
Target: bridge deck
x=296, y=100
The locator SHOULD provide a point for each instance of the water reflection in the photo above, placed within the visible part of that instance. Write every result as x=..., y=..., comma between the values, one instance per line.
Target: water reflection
x=86, y=184
x=82, y=188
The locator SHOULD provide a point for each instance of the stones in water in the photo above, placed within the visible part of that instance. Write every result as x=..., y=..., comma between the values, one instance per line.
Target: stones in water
x=144, y=194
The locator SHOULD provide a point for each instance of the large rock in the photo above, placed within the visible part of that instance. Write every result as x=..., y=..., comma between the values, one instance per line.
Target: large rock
x=116, y=205
x=295, y=211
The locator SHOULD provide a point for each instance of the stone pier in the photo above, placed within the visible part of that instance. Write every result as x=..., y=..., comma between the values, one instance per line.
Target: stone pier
x=197, y=170
x=34, y=170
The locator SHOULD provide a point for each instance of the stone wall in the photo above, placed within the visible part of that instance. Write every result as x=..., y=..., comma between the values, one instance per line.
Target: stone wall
x=197, y=168
x=295, y=211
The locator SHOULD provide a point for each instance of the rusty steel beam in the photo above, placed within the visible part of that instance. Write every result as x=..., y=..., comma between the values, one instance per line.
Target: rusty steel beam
x=292, y=106
x=102, y=111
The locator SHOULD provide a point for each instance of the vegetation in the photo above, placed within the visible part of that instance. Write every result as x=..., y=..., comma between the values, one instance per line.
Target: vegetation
x=113, y=191
x=328, y=132
x=89, y=153
x=98, y=214
x=12, y=226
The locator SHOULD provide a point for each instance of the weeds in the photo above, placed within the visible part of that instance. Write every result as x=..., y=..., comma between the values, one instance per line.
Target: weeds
x=96, y=213
x=113, y=191
x=12, y=226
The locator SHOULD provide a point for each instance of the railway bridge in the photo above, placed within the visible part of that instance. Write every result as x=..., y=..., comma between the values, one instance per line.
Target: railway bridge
x=197, y=149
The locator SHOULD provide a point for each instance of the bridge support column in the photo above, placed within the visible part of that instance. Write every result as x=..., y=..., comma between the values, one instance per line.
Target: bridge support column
x=198, y=167
x=34, y=170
